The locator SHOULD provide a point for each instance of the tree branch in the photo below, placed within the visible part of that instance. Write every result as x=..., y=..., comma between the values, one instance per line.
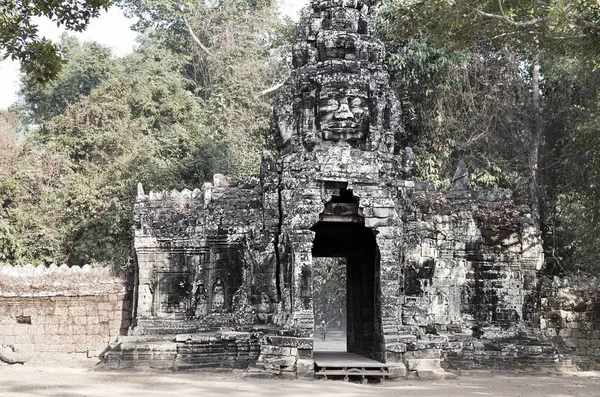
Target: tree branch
x=586, y=24
x=196, y=39
x=579, y=36
x=504, y=18
x=268, y=90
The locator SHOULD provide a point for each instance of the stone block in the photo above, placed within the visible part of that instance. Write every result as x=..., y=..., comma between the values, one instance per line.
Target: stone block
x=275, y=350
x=377, y=222
x=305, y=354
x=379, y=212
x=6, y=330
x=396, y=347
x=433, y=374
x=415, y=364
x=23, y=339
x=281, y=361
x=397, y=370
x=423, y=354
x=305, y=368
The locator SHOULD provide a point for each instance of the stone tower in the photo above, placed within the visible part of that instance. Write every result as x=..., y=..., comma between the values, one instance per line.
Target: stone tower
x=224, y=273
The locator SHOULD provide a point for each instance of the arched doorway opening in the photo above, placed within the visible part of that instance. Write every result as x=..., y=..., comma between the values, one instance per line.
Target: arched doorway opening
x=341, y=234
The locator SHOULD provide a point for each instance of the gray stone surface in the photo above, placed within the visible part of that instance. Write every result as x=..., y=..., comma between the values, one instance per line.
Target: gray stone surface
x=428, y=271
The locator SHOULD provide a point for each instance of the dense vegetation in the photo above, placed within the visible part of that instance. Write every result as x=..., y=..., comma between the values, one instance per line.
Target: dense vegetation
x=511, y=87
x=171, y=114
x=19, y=39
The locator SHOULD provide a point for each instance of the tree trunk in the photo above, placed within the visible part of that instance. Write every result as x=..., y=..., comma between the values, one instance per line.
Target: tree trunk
x=536, y=137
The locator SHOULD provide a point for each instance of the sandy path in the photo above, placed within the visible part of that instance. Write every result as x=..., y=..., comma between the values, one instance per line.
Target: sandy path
x=26, y=381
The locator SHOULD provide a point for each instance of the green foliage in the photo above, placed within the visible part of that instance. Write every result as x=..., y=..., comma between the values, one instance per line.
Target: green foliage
x=88, y=64
x=329, y=288
x=237, y=52
x=140, y=125
x=10, y=249
x=462, y=105
x=573, y=120
x=169, y=116
x=32, y=183
x=557, y=26
x=9, y=190
x=19, y=40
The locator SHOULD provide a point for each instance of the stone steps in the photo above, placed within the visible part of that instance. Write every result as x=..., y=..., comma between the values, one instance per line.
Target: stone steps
x=187, y=351
x=427, y=369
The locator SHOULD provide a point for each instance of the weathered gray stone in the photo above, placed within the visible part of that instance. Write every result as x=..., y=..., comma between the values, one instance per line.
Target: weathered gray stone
x=13, y=355
x=415, y=364
x=397, y=371
x=422, y=264
x=433, y=374
x=305, y=369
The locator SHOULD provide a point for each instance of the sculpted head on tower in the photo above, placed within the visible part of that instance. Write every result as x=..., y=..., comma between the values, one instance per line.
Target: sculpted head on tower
x=339, y=89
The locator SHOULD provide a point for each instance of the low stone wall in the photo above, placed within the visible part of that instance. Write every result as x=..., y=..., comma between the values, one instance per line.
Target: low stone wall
x=570, y=317
x=61, y=309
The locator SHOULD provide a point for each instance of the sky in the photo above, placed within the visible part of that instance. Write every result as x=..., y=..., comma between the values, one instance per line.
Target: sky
x=112, y=28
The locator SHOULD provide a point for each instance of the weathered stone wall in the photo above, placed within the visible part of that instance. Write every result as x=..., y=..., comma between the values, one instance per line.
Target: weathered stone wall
x=469, y=262
x=62, y=309
x=430, y=274
x=209, y=243
x=570, y=317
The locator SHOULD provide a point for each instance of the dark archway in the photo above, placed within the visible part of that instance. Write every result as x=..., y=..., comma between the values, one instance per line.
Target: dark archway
x=357, y=243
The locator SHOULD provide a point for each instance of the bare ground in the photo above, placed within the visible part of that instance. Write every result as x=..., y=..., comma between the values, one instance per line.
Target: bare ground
x=77, y=378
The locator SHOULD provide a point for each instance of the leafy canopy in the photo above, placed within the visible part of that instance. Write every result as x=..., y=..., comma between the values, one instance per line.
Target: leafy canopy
x=553, y=25
x=19, y=39
x=89, y=63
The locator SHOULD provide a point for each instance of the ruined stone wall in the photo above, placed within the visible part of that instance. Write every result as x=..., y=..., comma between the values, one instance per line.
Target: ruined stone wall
x=203, y=255
x=469, y=262
x=570, y=317
x=428, y=272
x=62, y=309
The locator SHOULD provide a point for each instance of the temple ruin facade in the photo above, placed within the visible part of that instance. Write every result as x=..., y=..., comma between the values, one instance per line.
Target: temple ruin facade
x=224, y=272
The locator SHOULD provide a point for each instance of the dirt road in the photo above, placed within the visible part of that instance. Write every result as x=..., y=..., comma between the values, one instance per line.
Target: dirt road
x=24, y=381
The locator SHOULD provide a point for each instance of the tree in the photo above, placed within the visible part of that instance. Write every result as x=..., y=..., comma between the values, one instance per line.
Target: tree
x=571, y=167
x=236, y=59
x=139, y=125
x=467, y=22
x=462, y=105
x=9, y=150
x=165, y=116
x=19, y=40
x=32, y=182
x=556, y=42
x=329, y=289
x=89, y=63
x=558, y=26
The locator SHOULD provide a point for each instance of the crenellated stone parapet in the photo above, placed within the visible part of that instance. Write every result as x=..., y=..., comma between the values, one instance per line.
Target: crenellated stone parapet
x=60, y=309
x=54, y=280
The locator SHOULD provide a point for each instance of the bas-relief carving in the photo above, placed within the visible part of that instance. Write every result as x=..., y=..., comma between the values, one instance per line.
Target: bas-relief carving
x=342, y=112
x=218, y=296
x=201, y=301
x=339, y=91
x=264, y=309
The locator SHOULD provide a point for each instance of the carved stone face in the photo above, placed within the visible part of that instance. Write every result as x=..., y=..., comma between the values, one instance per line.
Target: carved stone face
x=343, y=113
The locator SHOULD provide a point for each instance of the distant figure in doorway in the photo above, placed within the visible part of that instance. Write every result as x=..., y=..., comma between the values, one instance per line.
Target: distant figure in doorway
x=323, y=329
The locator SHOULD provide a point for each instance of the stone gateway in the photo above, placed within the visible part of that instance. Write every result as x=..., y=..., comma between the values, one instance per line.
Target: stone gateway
x=224, y=273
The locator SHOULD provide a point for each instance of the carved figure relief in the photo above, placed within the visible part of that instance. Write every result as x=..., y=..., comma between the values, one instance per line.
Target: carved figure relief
x=264, y=309
x=218, y=296
x=343, y=113
x=200, y=298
